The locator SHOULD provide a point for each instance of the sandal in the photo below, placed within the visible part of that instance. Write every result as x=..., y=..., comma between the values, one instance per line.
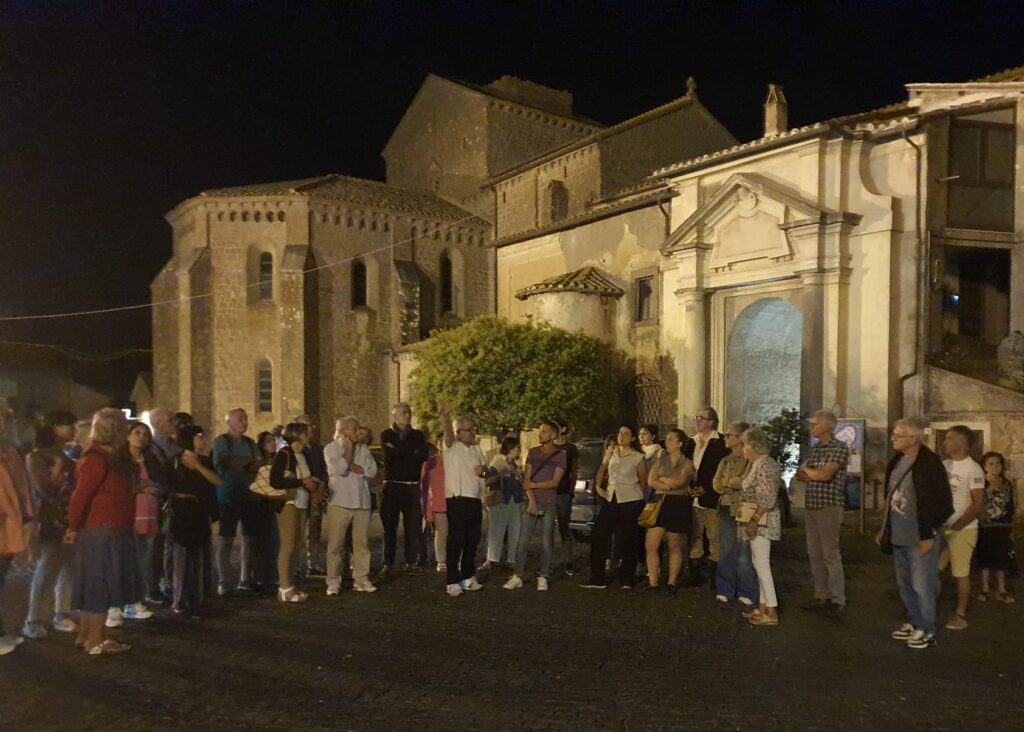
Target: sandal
x=1005, y=598
x=763, y=620
x=292, y=595
x=983, y=597
x=752, y=613
x=108, y=646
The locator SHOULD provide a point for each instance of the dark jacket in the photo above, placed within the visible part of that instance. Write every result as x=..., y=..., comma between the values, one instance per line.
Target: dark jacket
x=931, y=485
x=705, y=476
x=404, y=454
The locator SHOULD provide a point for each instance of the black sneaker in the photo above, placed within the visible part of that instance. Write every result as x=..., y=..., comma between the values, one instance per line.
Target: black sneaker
x=413, y=569
x=570, y=571
x=815, y=604
x=670, y=590
x=650, y=589
x=316, y=572
x=592, y=585
x=385, y=572
x=903, y=633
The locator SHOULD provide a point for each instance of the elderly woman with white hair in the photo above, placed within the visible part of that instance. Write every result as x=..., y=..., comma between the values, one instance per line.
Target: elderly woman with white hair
x=101, y=518
x=759, y=522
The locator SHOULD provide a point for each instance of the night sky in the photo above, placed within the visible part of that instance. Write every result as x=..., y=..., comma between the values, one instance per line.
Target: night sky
x=109, y=118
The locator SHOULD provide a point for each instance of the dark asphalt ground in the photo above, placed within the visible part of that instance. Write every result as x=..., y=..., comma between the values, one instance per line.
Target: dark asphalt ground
x=410, y=657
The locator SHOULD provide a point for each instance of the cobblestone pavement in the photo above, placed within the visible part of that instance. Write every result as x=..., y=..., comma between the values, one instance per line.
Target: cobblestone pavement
x=410, y=657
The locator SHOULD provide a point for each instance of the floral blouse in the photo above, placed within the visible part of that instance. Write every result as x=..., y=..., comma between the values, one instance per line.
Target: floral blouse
x=761, y=486
x=998, y=507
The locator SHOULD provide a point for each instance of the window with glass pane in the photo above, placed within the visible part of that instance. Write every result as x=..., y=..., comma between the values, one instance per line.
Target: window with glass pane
x=644, y=298
x=266, y=276
x=981, y=159
x=264, y=387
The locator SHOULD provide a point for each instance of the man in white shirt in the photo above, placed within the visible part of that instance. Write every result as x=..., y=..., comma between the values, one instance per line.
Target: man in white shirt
x=349, y=468
x=464, y=469
x=967, y=483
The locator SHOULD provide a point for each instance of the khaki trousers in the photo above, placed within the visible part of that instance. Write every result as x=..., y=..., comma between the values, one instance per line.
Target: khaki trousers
x=704, y=520
x=291, y=527
x=338, y=521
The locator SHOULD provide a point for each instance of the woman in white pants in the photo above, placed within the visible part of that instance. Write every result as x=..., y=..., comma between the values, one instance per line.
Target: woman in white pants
x=760, y=495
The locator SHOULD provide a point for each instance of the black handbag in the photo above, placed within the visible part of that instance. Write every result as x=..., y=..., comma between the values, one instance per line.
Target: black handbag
x=886, y=543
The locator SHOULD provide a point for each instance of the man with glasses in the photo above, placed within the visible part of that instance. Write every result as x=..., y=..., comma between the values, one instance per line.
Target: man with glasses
x=824, y=472
x=918, y=502
x=706, y=449
x=464, y=470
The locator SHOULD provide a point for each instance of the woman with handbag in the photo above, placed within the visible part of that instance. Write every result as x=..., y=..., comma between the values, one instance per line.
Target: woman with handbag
x=290, y=472
x=759, y=522
x=621, y=504
x=193, y=508
x=670, y=480
x=504, y=502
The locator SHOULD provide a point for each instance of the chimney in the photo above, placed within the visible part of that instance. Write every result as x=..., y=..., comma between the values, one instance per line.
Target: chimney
x=775, y=112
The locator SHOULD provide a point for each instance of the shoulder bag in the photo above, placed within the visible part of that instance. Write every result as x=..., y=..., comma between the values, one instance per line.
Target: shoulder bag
x=648, y=518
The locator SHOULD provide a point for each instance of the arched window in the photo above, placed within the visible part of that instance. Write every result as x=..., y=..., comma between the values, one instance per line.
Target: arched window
x=264, y=386
x=359, y=299
x=265, y=283
x=447, y=291
x=558, y=196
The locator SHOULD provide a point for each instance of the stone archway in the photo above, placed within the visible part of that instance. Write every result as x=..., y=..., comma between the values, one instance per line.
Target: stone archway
x=762, y=369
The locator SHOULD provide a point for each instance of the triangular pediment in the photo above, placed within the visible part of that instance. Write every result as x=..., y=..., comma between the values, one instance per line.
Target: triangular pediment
x=744, y=220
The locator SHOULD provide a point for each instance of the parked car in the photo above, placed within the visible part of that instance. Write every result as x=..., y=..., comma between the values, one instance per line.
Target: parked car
x=585, y=501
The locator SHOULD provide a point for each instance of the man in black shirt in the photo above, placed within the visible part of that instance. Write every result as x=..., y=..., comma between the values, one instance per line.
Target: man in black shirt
x=563, y=506
x=405, y=451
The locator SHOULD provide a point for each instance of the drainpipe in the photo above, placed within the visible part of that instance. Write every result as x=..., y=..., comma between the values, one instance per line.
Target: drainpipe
x=398, y=372
x=924, y=249
x=668, y=218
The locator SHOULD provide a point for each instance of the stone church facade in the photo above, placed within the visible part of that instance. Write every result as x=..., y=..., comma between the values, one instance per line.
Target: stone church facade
x=872, y=263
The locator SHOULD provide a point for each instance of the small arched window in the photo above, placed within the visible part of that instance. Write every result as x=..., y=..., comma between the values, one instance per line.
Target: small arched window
x=265, y=283
x=447, y=291
x=358, y=284
x=558, y=196
x=264, y=386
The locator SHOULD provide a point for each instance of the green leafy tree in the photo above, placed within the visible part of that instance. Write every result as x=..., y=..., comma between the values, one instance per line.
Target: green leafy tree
x=510, y=376
x=788, y=434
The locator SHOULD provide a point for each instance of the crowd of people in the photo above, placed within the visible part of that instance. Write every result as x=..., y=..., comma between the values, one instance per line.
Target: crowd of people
x=122, y=517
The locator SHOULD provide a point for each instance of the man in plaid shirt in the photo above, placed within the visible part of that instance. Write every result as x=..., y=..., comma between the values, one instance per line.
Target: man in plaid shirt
x=824, y=472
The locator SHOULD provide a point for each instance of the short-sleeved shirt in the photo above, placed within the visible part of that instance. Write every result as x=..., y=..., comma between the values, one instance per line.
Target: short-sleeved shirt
x=822, y=494
x=235, y=484
x=460, y=478
x=667, y=470
x=964, y=476
x=903, y=505
x=540, y=468
x=623, y=482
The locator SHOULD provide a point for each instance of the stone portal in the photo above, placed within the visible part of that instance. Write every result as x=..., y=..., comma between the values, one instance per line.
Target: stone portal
x=762, y=372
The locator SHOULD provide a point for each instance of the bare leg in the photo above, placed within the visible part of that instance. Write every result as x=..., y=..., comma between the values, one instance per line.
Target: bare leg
x=963, y=591
x=1000, y=581
x=652, y=546
x=675, y=557
x=984, y=580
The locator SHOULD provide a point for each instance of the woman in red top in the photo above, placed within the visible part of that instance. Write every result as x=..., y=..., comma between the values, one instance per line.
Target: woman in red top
x=101, y=519
x=434, y=506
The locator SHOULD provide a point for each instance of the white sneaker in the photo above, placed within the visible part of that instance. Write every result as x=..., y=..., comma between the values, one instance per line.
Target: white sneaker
x=65, y=624
x=746, y=601
x=137, y=611
x=9, y=642
x=721, y=598
x=542, y=583
x=471, y=585
x=455, y=589
x=34, y=631
x=115, y=618
x=333, y=590
x=364, y=586
x=513, y=583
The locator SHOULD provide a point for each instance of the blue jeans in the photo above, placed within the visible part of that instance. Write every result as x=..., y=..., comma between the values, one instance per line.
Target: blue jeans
x=547, y=533
x=735, y=575
x=917, y=578
x=144, y=550
x=501, y=519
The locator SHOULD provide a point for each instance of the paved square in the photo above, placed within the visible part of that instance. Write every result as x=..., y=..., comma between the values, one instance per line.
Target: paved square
x=410, y=657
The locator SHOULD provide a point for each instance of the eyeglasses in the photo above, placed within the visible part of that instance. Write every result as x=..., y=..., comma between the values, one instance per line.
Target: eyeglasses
x=702, y=418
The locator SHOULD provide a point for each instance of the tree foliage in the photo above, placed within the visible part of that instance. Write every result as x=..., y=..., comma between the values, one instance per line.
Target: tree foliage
x=788, y=434
x=510, y=376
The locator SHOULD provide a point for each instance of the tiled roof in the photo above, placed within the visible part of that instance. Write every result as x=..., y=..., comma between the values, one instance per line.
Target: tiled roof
x=588, y=280
x=1014, y=74
x=359, y=192
x=595, y=137
x=863, y=118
